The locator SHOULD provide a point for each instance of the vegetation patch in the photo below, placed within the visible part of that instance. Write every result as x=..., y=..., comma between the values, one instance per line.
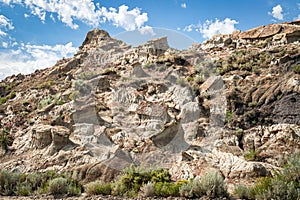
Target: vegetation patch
x=296, y=68
x=17, y=184
x=11, y=95
x=284, y=185
x=251, y=156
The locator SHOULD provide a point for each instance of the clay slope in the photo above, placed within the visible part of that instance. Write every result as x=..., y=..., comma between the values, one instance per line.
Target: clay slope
x=112, y=105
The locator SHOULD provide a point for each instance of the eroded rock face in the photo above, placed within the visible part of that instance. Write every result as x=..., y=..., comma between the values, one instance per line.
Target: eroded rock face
x=262, y=32
x=60, y=139
x=156, y=46
x=41, y=136
x=53, y=137
x=190, y=111
x=274, y=143
x=273, y=34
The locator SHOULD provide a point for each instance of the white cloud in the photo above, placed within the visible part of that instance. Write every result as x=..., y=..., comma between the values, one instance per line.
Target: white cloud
x=210, y=28
x=5, y=24
x=147, y=30
x=183, y=5
x=2, y=33
x=52, y=17
x=27, y=58
x=277, y=12
x=4, y=44
x=5, y=1
x=67, y=11
x=85, y=11
x=129, y=20
x=189, y=28
x=298, y=17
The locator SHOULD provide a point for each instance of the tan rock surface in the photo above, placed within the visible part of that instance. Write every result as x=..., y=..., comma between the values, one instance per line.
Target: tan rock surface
x=189, y=111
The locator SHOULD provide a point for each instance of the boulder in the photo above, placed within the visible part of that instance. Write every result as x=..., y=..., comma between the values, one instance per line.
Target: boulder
x=60, y=138
x=41, y=136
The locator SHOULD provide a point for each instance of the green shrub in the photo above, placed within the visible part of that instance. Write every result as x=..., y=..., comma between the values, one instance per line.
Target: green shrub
x=81, y=86
x=212, y=184
x=3, y=100
x=251, y=156
x=60, y=102
x=118, y=188
x=87, y=75
x=8, y=182
x=181, y=82
x=135, y=177
x=11, y=95
x=34, y=180
x=190, y=79
x=296, y=68
x=98, y=188
x=284, y=185
x=58, y=186
x=165, y=189
x=37, y=183
x=146, y=65
x=74, y=95
x=187, y=190
x=44, y=102
x=199, y=79
x=228, y=116
x=74, y=189
x=252, y=104
x=8, y=87
x=244, y=192
x=45, y=85
x=23, y=189
x=4, y=139
x=148, y=190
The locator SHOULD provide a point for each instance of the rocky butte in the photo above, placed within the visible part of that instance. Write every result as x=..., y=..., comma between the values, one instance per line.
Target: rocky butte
x=230, y=104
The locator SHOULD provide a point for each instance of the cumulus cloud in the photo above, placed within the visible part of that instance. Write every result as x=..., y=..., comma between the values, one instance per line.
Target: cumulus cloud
x=85, y=11
x=183, y=5
x=67, y=11
x=146, y=30
x=277, y=12
x=210, y=28
x=129, y=20
x=27, y=58
x=5, y=25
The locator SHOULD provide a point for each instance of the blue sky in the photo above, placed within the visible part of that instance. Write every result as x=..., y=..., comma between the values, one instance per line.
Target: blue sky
x=34, y=34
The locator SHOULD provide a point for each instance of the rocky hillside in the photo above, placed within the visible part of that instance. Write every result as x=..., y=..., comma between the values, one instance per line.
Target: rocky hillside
x=230, y=104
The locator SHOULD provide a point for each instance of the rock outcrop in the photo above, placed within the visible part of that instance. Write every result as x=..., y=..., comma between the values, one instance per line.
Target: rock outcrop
x=204, y=108
x=269, y=35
